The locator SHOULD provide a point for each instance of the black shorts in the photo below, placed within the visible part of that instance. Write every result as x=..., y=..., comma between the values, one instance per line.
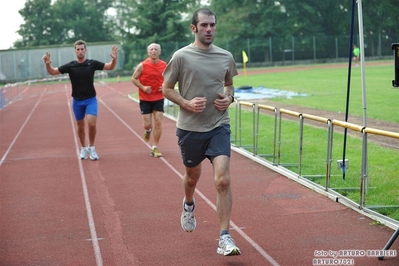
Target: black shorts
x=196, y=146
x=148, y=107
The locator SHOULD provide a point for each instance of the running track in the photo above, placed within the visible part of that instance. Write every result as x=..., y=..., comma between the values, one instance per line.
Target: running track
x=125, y=208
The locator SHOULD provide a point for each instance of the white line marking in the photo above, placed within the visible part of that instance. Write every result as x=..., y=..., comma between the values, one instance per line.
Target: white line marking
x=94, y=239
x=244, y=235
x=22, y=127
x=92, y=226
x=234, y=226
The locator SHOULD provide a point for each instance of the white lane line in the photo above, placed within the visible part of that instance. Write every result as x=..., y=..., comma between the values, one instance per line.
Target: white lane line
x=235, y=227
x=94, y=239
x=22, y=127
x=92, y=226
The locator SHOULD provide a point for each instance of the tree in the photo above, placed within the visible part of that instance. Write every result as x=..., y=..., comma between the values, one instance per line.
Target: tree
x=258, y=25
x=82, y=19
x=280, y=21
x=36, y=31
x=143, y=22
x=64, y=22
x=379, y=18
x=239, y=21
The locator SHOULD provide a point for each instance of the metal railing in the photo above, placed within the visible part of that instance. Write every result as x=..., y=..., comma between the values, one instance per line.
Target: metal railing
x=326, y=125
x=13, y=92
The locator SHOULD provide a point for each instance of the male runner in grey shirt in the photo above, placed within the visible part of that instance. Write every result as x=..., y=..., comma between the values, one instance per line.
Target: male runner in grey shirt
x=204, y=73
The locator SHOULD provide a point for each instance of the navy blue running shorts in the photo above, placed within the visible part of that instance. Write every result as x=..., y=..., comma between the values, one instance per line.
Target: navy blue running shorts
x=148, y=107
x=196, y=146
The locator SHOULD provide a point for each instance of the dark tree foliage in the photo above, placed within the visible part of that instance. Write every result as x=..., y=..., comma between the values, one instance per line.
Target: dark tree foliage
x=37, y=29
x=82, y=19
x=64, y=22
x=137, y=23
x=380, y=17
x=141, y=23
x=283, y=20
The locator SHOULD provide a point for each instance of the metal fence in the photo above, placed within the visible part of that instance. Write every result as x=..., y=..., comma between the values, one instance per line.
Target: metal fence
x=25, y=64
x=284, y=140
x=268, y=135
x=318, y=47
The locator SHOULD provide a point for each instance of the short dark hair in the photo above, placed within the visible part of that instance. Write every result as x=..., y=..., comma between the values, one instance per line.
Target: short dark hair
x=79, y=42
x=205, y=11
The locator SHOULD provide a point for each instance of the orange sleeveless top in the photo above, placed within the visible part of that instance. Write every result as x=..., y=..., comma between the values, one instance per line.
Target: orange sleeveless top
x=152, y=76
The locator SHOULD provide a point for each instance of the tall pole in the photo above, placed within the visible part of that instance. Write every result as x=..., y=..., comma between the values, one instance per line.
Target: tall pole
x=361, y=40
x=350, y=54
x=395, y=48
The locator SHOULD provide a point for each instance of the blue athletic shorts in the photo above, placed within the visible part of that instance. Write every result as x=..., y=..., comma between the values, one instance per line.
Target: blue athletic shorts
x=83, y=107
x=196, y=146
x=147, y=107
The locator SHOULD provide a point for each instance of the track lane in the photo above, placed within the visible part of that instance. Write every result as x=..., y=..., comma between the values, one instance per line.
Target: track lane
x=136, y=202
x=136, y=129
x=39, y=179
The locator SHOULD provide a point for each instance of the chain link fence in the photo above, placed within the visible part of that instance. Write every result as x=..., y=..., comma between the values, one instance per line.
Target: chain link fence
x=26, y=64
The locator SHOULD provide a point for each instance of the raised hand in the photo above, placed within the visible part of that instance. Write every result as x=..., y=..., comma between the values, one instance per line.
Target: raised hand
x=46, y=58
x=114, y=52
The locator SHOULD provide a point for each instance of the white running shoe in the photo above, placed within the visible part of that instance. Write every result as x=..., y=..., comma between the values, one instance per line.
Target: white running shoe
x=93, y=153
x=83, y=153
x=188, y=222
x=227, y=247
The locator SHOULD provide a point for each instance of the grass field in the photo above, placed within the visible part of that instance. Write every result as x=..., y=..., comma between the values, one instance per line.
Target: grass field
x=327, y=88
x=383, y=171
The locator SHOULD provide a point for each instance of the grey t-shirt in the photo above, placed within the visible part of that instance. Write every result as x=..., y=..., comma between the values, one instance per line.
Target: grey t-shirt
x=201, y=73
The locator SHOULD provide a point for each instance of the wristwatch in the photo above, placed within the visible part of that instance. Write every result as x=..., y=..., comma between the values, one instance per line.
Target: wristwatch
x=232, y=98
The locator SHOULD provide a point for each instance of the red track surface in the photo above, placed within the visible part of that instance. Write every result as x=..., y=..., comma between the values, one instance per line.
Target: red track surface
x=125, y=208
